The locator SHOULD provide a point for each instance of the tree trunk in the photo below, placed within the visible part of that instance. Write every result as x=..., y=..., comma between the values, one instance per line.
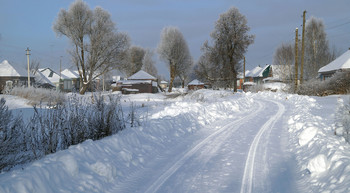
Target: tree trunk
x=83, y=88
x=172, y=77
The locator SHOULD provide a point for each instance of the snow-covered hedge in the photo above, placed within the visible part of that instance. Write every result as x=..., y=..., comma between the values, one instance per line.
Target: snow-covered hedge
x=53, y=129
x=38, y=95
x=12, y=145
x=337, y=84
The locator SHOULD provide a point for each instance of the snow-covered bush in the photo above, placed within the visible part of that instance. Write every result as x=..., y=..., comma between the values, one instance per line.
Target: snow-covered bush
x=39, y=95
x=54, y=128
x=337, y=84
x=13, y=148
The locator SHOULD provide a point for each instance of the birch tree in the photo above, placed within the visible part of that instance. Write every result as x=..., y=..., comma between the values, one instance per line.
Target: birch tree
x=317, y=52
x=230, y=42
x=283, y=61
x=97, y=46
x=173, y=50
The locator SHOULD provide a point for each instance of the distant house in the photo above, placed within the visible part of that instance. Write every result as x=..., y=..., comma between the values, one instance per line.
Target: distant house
x=258, y=74
x=342, y=63
x=13, y=75
x=43, y=82
x=75, y=78
x=140, y=82
x=163, y=84
x=195, y=85
x=66, y=83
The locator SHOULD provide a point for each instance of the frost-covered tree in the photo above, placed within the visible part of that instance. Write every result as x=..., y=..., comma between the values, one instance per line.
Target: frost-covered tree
x=317, y=52
x=134, y=64
x=283, y=62
x=173, y=50
x=148, y=63
x=97, y=47
x=230, y=42
x=184, y=71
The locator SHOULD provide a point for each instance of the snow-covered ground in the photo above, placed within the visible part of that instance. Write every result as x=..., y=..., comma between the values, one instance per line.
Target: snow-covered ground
x=206, y=141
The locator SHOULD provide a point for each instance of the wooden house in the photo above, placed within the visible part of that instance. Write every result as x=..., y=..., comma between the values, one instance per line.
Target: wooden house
x=258, y=74
x=195, y=85
x=342, y=63
x=13, y=75
x=74, y=77
x=140, y=82
x=62, y=82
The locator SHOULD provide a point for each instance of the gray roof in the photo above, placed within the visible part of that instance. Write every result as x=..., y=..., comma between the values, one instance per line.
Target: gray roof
x=142, y=75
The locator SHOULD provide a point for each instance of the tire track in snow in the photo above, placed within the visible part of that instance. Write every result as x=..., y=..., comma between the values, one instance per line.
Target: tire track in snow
x=247, y=180
x=233, y=126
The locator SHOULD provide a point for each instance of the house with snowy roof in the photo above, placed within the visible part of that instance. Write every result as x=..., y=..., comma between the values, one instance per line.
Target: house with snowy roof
x=61, y=82
x=140, y=82
x=74, y=77
x=258, y=74
x=342, y=63
x=43, y=82
x=13, y=75
x=195, y=85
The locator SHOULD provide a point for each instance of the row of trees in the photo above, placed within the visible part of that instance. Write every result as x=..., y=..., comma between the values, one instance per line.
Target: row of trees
x=97, y=47
x=317, y=53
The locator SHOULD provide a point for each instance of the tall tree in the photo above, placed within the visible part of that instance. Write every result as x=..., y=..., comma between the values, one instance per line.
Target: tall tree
x=283, y=61
x=317, y=52
x=230, y=42
x=173, y=50
x=148, y=63
x=184, y=71
x=97, y=47
x=136, y=54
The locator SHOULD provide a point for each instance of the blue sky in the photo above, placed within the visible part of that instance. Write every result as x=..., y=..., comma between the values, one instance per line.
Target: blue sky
x=26, y=23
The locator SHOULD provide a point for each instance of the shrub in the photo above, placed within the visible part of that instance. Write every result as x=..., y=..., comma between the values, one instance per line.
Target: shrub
x=337, y=84
x=39, y=95
x=53, y=129
x=13, y=149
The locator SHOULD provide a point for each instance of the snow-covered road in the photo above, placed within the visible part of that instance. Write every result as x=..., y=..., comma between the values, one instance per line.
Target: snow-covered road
x=205, y=141
x=234, y=157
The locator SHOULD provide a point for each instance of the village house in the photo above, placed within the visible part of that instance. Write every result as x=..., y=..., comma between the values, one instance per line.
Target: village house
x=195, y=85
x=140, y=82
x=64, y=85
x=13, y=75
x=258, y=74
x=42, y=82
x=342, y=63
x=74, y=77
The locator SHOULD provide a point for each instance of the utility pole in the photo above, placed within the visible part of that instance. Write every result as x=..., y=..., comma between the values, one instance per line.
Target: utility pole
x=28, y=50
x=243, y=69
x=302, y=51
x=296, y=59
x=60, y=81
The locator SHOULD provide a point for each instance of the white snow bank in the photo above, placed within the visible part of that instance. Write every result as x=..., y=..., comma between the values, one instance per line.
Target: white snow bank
x=323, y=158
x=307, y=135
x=96, y=166
x=318, y=164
